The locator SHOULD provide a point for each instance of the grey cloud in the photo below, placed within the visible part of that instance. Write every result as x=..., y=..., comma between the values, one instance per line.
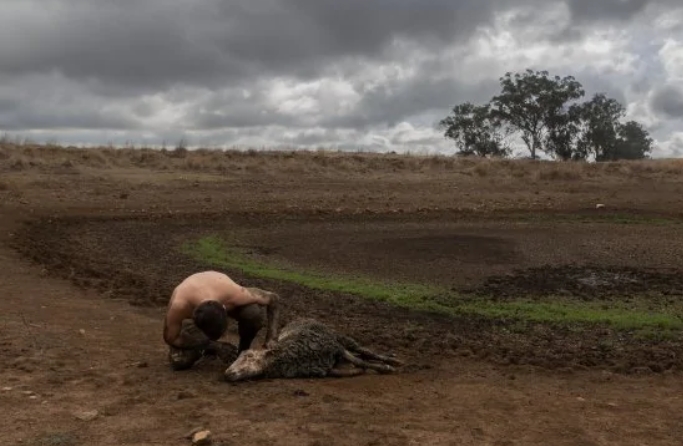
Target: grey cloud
x=122, y=62
x=668, y=100
x=606, y=9
x=149, y=45
x=392, y=103
x=677, y=147
x=582, y=13
x=230, y=108
x=594, y=82
x=69, y=119
x=235, y=117
x=614, y=10
x=47, y=102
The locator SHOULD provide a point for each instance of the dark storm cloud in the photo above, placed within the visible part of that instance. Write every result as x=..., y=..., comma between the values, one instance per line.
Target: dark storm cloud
x=186, y=65
x=606, y=9
x=53, y=102
x=152, y=44
x=668, y=100
x=583, y=14
x=147, y=46
x=64, y=119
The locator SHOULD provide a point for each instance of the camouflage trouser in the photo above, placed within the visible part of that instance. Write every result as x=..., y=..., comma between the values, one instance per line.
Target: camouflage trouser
x=250, y=320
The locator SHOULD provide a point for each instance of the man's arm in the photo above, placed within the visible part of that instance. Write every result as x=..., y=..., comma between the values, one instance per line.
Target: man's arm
x=172, y=329
x=272, y=312
x=174, y=336
x=271, y=301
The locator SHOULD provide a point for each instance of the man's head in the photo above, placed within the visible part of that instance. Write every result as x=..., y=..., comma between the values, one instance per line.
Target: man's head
x=211, y=318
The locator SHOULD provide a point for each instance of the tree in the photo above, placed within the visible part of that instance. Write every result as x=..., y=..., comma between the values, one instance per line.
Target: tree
x=599, y=127
x=562, y=133
x=545, y=113
x=475, y=131
x=605, y=137
x=634, y=142
x=537, y=106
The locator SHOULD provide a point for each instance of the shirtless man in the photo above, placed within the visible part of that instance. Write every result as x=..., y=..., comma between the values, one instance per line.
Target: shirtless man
x=198, y=314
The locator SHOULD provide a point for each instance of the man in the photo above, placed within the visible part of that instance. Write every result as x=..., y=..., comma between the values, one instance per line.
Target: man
x=198, y=314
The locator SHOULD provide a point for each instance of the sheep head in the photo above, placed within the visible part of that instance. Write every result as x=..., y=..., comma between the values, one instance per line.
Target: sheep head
x=249, y=364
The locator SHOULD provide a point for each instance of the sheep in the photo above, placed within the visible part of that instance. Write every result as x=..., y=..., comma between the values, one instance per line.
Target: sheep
x=307, y=348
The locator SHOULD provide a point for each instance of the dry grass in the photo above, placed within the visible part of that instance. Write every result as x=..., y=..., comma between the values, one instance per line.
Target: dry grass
x=53, y=158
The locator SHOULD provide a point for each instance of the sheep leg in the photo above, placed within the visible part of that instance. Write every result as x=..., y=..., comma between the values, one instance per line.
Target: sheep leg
x=353, y=346
x=369, y=354
x=381, y=368
x=345, y=373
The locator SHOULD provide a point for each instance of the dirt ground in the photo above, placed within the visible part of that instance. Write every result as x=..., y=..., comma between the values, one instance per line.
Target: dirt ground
x=78, y=246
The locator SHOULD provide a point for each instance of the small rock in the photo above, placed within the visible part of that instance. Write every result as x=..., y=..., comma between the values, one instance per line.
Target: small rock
x=201, y=438
x=581, y=399
x=193, y=431
x=143, y=365
x=6, y=389
x=33, y=397
x=81, y=331
x=612, y=404
x=86, y=415
x=184, y=394
x=27, y=392
x=300, y=392
x=599, y=206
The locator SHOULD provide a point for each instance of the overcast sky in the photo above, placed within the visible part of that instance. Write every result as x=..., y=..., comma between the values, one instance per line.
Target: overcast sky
x=352, y=74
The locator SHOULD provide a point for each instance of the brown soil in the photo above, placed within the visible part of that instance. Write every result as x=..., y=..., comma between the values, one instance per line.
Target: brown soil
x=138, y=259
x=76, y=248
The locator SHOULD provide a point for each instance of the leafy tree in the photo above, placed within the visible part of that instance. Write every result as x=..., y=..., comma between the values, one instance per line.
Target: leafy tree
x=544, y=111
x=536, y=105
x=562, y=134
x=605, y=137
x=634, y=142
x=475, y=131
x=599, y=127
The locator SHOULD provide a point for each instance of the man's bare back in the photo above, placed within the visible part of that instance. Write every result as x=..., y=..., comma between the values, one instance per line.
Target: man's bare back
x=219, y=297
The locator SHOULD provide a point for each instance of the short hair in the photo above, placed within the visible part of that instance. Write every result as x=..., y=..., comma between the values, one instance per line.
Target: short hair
x=211, y=318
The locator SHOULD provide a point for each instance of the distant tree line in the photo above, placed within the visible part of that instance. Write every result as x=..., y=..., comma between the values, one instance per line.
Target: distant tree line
x=546, y=114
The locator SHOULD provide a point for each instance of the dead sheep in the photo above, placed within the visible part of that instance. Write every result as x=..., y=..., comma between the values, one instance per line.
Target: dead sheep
x=307, y=348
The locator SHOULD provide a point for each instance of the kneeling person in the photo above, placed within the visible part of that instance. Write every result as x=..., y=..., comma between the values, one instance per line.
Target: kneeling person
x=198, y=315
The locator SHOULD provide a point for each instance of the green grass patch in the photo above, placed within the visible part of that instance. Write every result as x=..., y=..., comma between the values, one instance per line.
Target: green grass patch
x=619, y=315
x=213, y=251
